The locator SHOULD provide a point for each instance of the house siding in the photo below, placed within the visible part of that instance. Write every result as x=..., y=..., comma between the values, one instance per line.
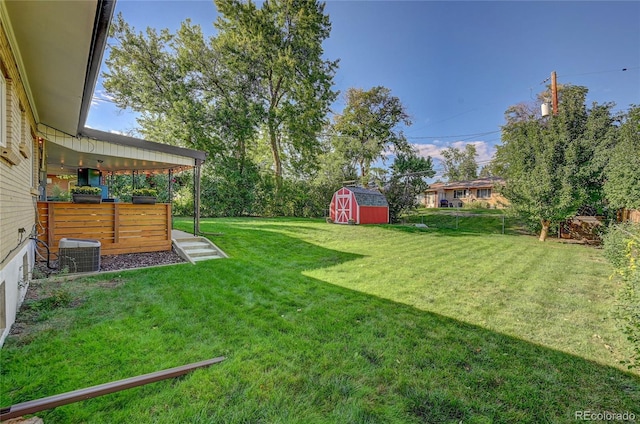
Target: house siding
x=441, y=191
x=18, y=194
x=495, y=200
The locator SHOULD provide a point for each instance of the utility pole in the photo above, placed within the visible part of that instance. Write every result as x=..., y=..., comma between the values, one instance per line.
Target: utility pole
x=554, y=93
x=544, y=108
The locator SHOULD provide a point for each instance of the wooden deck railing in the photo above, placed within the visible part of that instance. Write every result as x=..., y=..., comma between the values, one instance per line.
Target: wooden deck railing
x=120, y=227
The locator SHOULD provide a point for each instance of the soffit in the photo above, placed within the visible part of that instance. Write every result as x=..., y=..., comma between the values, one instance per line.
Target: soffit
x=53, y=40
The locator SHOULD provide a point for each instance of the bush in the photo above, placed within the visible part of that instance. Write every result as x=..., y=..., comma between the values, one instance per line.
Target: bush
x=183, y=202
x=622, y=249
x=57, y=193
x=86, y=190
x=478, y=204
x=144, y=192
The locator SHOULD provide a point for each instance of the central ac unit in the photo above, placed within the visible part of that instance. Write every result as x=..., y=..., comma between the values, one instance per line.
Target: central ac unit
x=79, y=255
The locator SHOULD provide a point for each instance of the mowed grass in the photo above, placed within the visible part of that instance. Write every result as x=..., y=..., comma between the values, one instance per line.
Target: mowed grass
x=338, y=324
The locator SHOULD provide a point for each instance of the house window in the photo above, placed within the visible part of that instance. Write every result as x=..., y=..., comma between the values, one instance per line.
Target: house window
x=460, y=194
x=3, y=111
x=484, y=193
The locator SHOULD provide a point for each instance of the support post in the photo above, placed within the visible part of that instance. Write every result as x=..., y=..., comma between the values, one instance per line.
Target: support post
x=196, y=198
x=170, y=184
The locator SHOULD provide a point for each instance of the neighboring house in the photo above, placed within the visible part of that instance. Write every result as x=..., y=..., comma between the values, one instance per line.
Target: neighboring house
x=457, y=193
x=50, y=55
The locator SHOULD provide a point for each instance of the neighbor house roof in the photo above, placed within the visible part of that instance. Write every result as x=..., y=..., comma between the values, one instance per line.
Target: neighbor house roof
x=460, y=185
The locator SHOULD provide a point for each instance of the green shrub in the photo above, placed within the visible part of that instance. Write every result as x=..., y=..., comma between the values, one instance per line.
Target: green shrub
x=86, y=190
x=622, y=249
x=57, y=193
x=183, y=202
x=478, y=204
x=144, y=192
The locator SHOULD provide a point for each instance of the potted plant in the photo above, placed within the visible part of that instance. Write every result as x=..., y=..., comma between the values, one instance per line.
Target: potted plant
x=86, y=194
x=144, y=196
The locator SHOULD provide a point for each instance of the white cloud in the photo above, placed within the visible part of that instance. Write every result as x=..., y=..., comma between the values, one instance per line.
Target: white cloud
x=100, y=97
x=484, y=150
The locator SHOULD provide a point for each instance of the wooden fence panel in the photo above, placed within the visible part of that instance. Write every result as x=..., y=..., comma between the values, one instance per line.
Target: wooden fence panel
x=120, y=227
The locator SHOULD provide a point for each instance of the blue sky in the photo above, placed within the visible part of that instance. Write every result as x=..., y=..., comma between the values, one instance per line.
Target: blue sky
x=456, y=66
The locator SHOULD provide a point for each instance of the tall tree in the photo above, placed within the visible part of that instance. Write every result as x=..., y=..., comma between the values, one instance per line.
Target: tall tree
x=460, y=165
x=279, y=47
x=408, y=179
x=181, y=87
x=622, y=172
x=186, y=94
x=370, y=124
x=548, y=163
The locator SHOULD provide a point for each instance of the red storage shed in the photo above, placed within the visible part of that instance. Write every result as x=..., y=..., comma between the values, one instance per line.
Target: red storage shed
x=359, y=204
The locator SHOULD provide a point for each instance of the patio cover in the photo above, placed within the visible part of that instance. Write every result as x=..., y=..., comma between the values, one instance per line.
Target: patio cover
x=110, y=152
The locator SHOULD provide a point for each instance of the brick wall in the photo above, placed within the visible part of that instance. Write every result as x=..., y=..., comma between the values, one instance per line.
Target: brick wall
x=18, y=177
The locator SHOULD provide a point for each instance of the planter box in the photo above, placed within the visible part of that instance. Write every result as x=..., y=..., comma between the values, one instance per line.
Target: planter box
x=143, y=200
x=86, y=198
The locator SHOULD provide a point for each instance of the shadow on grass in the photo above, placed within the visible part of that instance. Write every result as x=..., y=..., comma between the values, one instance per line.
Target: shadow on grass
x=299, y=350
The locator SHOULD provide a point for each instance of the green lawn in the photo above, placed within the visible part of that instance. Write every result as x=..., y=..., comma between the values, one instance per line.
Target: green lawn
x=337, y=324
x=484, y=221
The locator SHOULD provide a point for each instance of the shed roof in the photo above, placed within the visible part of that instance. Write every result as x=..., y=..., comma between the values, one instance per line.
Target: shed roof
x=366, y=197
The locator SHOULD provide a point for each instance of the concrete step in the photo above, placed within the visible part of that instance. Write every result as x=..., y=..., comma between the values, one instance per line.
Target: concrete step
x=196, y=249
x=195, y=246
x=206, y=258
x=202, y=252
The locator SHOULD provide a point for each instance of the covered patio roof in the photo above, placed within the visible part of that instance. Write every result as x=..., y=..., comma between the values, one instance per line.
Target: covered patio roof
x=110, y=152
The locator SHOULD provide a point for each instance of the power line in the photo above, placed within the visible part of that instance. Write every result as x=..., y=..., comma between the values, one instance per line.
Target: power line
x=423, y=137
x=601, y=72
x=593, y=73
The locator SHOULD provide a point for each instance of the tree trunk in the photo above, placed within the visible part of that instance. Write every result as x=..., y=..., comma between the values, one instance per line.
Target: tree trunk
x=545, y=229
x=273, y=141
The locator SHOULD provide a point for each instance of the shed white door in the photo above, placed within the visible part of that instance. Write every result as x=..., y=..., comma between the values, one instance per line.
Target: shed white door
x=343, y=208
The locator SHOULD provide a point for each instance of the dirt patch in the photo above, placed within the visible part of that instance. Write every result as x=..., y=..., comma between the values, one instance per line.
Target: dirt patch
x=118, y=262
x=138, y=260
